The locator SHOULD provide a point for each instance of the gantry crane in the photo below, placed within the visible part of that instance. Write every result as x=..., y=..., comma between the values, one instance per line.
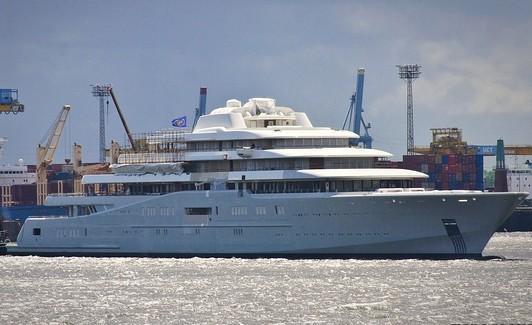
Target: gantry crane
x=46, y=152
x=354, y=120
x=9, y=101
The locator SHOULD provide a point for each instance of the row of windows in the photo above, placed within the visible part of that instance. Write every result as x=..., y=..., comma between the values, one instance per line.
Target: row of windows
x=252, y=123
x=260, y=210
x=82, y=232
x=326, y=186
x=71, y=232
x=239, y=211
x=143, y=189
x=236, y=211
x=280, y=164
x=149, y=211
x=12, y=172
x=268, y=144
x=161, y=211
x=25, y=180
x=258, y=187
x=311, y=143
x=81, y=210
x=198, y=211
x=64, y=232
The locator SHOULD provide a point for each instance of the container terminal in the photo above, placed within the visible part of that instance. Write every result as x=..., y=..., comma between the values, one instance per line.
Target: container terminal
x=449, y=161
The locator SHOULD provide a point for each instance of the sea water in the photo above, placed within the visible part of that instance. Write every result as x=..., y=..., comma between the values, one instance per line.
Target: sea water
x=37, y=290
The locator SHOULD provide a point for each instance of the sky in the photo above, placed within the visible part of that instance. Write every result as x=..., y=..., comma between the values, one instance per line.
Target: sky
x=476, y=59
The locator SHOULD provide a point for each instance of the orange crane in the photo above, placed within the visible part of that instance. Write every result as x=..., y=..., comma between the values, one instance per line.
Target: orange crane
x=46, y=152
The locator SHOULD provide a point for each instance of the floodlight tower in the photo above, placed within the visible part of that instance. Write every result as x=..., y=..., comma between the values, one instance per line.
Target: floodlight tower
x=409, y=72
x=102, y=92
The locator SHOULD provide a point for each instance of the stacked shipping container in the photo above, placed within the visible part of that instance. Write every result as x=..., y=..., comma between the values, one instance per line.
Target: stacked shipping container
x=448, y=172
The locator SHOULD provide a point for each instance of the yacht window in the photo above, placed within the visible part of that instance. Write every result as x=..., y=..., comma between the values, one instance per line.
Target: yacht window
x=198, y=211
x=261, y=210
x=36, y=231
x=239, y=211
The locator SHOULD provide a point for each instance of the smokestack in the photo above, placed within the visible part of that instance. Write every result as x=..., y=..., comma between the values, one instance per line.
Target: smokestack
x=501, y=180
x=203, y=101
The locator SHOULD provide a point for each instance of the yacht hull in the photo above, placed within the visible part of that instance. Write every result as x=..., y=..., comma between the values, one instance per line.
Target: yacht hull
x=441, y=224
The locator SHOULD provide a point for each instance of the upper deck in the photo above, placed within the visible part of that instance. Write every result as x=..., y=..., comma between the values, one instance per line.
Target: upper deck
x=259, y=129
x=260, y=118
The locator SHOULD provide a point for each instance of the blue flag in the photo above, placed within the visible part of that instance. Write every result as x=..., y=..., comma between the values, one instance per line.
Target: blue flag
x=180, y=122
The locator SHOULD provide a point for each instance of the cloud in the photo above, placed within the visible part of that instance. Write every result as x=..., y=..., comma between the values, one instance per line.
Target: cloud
x=473, y=61
x=472, y=82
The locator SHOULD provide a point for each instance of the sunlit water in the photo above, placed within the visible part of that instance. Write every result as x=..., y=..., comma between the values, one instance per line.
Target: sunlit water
x=255, y=291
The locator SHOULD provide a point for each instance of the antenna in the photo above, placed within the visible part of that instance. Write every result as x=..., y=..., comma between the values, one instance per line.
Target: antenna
x=409, y=72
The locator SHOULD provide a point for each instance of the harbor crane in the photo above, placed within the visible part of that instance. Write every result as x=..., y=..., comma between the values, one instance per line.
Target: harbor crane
x=122, y=119
x=103, y=91
x=354, y=120
x=46, y=152
x=9, y=101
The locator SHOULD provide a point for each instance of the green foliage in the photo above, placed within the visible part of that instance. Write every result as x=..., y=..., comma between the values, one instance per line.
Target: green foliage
x=489, y=178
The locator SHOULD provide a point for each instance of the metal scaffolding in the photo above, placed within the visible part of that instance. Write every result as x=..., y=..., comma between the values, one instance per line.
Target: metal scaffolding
x=164, y=146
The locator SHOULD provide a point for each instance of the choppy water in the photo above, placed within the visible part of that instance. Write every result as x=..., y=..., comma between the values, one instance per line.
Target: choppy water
x=231, y=291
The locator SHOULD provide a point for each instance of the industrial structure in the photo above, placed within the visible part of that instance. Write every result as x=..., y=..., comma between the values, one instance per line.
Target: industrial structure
x=501, y=182
x=164, y=146
x=409, y=72
x=483, y=150
x=354, y=119
x=46, y=152
x=9, y=102
x=449, y=162
x=102, y=92
x=452, y=163
x=122, y=119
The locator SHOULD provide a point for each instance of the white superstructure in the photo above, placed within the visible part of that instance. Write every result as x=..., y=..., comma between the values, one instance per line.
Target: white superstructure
x=260, y=180
x=14, y=174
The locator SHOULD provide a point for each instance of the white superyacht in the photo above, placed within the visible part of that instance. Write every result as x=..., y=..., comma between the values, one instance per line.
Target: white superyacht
x=259, y=180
